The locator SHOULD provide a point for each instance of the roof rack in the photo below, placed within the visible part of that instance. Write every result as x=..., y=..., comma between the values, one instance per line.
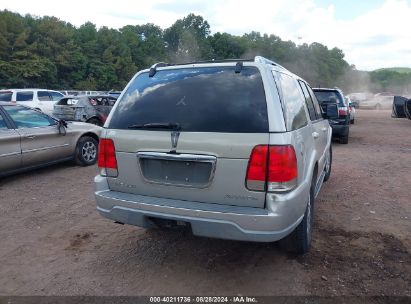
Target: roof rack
x=153, y=69
x=215, y=61
x=239, y=63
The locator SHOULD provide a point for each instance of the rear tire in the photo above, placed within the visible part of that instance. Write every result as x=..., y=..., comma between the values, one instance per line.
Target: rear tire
x=299, y=241
x=328, y=166
x=344, y=140
x=86, y=151
x=352, y=121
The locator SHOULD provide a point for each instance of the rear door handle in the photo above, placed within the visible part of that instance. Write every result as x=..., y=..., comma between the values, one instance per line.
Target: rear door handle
x=31, y=136
x=316, y=135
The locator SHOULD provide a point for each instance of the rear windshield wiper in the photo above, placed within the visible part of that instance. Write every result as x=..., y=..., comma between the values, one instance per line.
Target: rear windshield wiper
x=157, y=125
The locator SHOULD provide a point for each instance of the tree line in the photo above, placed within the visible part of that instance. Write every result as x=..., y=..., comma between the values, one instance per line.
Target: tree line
x=50, y=53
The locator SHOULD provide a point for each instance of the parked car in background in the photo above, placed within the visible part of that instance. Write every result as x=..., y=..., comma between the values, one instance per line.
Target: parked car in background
x=357, y=98
x=30, y=139
x=87, y=108
x=351, y=109
x=340, y=125
x=40, y=99
x=77, y=93
x=378, y=102
x=91, y=93
x=233, y=149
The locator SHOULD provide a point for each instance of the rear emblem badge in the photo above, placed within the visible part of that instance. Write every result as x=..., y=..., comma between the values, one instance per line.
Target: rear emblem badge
x=174, y=139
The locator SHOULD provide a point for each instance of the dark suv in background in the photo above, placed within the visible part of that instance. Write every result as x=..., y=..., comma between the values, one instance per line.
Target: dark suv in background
x=340, y=125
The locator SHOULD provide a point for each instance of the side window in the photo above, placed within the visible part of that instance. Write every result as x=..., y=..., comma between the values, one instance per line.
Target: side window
x=6, y=96
x=24, y=96
x=55, y=96
x=27, y=118
x=308, y=101
x=43, y=96
x=293, y=102
x=2, y=123
x=317, y=106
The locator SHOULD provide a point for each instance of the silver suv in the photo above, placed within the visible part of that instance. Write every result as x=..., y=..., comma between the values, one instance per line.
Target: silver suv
x=231, y=149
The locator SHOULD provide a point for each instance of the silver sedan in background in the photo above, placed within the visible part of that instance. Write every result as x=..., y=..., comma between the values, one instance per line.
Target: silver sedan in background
x=378, y=102
x=30, y=139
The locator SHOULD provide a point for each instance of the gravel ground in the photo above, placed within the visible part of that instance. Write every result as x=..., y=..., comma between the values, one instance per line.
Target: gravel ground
x=53, y=241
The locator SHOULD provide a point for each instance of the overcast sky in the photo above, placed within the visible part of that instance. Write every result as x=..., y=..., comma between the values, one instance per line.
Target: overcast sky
x=372, y=33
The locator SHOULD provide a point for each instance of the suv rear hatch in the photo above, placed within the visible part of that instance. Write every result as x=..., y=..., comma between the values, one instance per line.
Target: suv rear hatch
x=326, y=96
x=187, y=134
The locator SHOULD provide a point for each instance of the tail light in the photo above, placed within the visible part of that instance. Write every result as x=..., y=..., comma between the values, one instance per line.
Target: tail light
x=107, y=161
x=343, y=111
x=272, y=168
x=257, y=168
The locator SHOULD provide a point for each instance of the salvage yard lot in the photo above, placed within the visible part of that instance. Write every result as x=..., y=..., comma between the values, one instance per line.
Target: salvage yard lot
x=53, y=241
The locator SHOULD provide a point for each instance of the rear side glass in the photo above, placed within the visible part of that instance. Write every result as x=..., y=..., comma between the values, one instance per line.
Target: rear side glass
x=293, y=102
x=308, y=101
x=24, y=96
x=6, y=96
x=209, y=99
x=43, y=96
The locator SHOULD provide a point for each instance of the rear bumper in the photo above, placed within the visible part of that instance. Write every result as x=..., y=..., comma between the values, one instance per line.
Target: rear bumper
x=283, y=213
x=340, y=130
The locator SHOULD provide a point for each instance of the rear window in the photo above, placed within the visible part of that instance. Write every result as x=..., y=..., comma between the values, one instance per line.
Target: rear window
x=211, y=99
x=67, y=101
x=328, y=96
x=24, y=96
x=102, y=101
x=5, y=96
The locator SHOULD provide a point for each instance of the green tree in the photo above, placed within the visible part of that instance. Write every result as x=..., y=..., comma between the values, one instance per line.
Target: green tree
x=186, y=39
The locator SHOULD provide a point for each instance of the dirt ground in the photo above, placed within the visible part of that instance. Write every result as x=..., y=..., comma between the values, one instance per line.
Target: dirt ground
x=53, y=241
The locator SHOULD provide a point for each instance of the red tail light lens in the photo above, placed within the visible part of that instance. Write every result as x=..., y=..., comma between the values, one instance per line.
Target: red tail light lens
x=272, y=168
x=283, y=164
x=342, y=112
x=257, y=168
x=107, y=157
